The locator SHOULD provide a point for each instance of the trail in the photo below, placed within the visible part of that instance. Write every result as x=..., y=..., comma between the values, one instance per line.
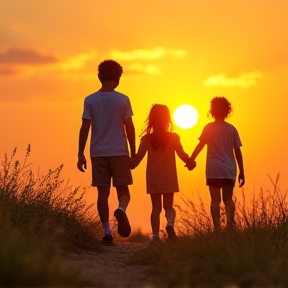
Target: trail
x=108, y=268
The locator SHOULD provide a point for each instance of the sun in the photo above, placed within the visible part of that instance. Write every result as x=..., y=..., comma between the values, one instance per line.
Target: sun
x=185, y=116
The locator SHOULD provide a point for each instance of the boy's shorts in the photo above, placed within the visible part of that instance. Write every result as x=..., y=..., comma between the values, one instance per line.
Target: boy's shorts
x=220, y=182
x=115, y=167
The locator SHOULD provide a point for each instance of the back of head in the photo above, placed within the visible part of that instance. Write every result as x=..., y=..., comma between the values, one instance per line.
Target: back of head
x=109, y=70
x=220, y=108
x=158, y=124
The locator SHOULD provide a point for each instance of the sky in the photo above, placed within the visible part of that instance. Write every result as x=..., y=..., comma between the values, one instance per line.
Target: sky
x=173, y=53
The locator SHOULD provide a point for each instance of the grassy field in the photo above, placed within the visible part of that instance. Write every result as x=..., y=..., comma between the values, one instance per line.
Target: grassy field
x=254, y=254
x=41, y=218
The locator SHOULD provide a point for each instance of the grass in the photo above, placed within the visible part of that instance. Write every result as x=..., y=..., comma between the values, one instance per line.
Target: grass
x=254, y=254
x=41, y=218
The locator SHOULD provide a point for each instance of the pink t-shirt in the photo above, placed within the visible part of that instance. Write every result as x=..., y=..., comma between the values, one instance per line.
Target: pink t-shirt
x=221, y=139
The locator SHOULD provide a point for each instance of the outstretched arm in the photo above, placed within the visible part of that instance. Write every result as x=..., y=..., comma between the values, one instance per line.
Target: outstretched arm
x=191, y=164
x=130, y=133
x=239, y=159
x=83, y=135
x=197, y=150
x=143, y=147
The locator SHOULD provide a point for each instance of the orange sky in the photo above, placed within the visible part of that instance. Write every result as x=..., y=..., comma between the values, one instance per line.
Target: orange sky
x=172, y=52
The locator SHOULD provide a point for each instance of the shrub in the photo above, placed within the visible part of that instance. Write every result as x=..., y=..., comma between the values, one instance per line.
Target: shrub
x=41, y=217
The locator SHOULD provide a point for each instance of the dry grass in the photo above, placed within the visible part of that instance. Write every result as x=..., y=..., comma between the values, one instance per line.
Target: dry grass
x=41, y=217
x=254, y=254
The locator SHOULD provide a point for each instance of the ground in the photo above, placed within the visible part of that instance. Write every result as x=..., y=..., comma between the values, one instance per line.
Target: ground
x=108, y=269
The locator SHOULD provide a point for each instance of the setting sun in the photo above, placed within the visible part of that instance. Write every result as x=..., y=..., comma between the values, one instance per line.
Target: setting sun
x=185, y=116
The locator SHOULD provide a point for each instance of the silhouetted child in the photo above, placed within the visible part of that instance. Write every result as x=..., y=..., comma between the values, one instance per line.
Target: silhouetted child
x=223, y=147
x=161, y=173
x=109, y=114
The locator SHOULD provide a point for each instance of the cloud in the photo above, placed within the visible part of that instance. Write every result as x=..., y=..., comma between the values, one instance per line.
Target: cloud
x=26, y=63
x=141, y=68
x=7, y=71
x=138, y=59
x=243, y=80
x=77, y=62
x=147, y=54
x=18, y=56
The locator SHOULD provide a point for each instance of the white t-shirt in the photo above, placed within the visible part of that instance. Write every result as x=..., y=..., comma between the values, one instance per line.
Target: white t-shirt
x=107, y=112
x=221, y=139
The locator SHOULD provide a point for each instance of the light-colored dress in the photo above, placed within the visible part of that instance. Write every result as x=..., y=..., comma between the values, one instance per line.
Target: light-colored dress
x=161, y=170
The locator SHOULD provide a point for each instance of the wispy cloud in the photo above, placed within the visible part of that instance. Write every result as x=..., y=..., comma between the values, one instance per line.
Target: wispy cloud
x=77, y=62
x=243, y=80
x=143, y=68
x=147, y=54
x=27, y=62
x=18, y=56
x=20, y=62
x=7, y=71
x=143, y=61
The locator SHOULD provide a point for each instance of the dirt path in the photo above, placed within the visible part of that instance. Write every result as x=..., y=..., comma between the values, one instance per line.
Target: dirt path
x=108, y=269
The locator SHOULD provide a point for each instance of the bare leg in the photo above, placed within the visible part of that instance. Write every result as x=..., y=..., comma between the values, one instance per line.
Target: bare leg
x=155, y=214
x=170, y=212
x=123, y=196
x=229, y=206
x=215, y=205
x=102, y=203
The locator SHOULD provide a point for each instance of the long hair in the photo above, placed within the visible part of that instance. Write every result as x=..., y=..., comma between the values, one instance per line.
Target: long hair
x=157, y=125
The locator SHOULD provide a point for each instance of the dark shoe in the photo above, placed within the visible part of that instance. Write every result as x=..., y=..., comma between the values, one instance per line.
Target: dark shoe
x=124, y=228
x=108, y=240
x=171, y=232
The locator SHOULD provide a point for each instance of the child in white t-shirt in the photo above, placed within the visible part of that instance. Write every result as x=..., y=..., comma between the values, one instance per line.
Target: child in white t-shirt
x=223, y=147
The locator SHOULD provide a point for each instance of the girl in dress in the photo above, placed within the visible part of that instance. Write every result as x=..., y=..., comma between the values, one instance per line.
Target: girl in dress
x=161, y=173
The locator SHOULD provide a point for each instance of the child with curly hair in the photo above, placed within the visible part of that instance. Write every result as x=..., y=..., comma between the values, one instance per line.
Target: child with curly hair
x=161, y=174
x=223, y=147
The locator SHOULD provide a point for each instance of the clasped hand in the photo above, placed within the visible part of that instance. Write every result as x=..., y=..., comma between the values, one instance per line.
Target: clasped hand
x=190, y=164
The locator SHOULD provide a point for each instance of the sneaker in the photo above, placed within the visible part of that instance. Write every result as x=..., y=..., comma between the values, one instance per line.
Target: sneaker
x=124, y=228
x=108, y=240
x=171, y=232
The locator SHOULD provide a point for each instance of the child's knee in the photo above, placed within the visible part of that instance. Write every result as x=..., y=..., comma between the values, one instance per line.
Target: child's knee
x=215, y=202
x=229, y=203
x=169, y=209
x=156, y=211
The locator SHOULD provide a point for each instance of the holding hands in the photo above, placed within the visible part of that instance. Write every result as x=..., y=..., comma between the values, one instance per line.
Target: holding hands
x=132, y=163
x=190, y=164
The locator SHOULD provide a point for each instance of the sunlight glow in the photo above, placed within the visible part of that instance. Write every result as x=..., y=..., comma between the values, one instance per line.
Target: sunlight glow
x=185, y=116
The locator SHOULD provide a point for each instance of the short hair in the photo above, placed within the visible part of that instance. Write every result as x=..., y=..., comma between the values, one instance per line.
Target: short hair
x=109, y=70
x=220, y=107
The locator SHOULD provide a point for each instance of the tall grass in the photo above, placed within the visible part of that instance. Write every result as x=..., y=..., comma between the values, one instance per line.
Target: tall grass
x=41, y=217
x=254, y=254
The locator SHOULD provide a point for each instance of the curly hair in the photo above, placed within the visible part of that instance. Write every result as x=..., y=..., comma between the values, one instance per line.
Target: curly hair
x=109, y=70
x=157, y=125
x=220, y=107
